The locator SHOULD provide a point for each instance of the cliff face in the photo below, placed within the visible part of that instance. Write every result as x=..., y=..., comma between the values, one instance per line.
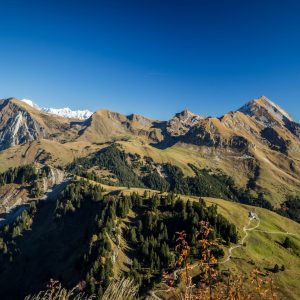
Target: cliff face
x=17, y=126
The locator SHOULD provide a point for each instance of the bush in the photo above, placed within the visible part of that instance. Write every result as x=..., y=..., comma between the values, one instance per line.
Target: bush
x=287, y=243
x=276, y=269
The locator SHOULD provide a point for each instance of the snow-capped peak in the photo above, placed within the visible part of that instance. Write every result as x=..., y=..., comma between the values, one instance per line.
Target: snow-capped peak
x=65, y=112
x=68, y=113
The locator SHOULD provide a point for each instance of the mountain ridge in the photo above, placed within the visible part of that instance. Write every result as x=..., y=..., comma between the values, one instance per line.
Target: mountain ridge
x=260, y=135
x=247, y=108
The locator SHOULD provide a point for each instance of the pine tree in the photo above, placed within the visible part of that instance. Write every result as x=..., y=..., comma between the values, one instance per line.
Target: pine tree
x=133, y=235
x=155, y=202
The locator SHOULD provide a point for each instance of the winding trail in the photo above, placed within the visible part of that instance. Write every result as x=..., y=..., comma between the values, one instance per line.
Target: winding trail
x=246, y=230
x=278, y=232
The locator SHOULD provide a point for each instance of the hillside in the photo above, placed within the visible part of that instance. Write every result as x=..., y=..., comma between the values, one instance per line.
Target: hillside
x=263, y=246
x=43, y=240
x=256, y=145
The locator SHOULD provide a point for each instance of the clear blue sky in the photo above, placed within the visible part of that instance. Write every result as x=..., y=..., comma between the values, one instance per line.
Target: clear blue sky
x=152, y=57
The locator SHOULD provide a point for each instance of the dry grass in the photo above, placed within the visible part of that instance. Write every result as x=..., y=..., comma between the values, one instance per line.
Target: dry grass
x=55, y=291
x=119, y=289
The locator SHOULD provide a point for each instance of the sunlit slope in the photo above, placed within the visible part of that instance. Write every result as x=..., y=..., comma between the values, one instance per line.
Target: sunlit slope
x=263, y=249
x=275, y=179
x=260, y=138
x=45, y=151
x=263, y=246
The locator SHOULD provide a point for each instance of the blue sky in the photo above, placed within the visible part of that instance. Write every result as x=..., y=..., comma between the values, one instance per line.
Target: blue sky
x=153, y=57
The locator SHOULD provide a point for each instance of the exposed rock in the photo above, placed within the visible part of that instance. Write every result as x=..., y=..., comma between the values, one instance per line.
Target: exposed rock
x=182, y=122
x=18, y=127
x=20, y=123
x=265, y=111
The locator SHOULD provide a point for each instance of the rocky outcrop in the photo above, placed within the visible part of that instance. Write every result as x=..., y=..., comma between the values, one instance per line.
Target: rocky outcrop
x=54, y=177
x=18, y=127
x=293, y=127
x=259, y=122
x=182, y=122
x=265, y=111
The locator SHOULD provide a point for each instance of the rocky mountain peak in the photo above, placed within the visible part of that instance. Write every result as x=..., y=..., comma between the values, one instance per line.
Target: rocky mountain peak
x=185, y=114
x=265, y=111
x=182, y=122
x=139, y=119
x=21, y=123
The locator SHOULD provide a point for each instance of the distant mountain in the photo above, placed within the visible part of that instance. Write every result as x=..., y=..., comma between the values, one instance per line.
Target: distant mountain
x=65, y=112
x=258, y=143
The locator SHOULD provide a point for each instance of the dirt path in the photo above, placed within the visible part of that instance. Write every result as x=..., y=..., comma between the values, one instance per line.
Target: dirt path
x=246, y=230
x=277, y=232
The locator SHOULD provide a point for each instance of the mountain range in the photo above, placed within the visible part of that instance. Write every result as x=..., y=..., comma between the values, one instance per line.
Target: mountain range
x=85, y=199
x=258, y=142
x=63, y=112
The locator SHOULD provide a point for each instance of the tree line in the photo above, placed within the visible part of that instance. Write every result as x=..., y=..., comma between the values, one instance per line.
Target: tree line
x=131, y=171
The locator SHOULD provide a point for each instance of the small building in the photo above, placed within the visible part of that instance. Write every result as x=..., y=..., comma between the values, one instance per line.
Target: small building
x=251, y=215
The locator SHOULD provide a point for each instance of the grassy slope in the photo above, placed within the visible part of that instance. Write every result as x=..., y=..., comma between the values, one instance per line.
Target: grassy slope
x=275, y=176
x=181, y=155
x=58, y=154
x=263, y=248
